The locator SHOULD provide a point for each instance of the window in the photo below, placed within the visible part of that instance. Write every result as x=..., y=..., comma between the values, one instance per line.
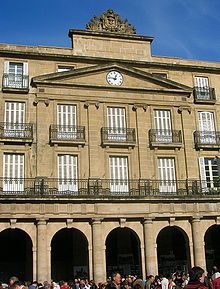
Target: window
x=67, y=173
x=14, y=119
x=209, y=172
x=167, y=176
x=162, y=122
x=118, y=174
x=202, y=87
x=13, y=173
x=206, y=127
x=161, y=75
x=116, y=122
x=64, y=68
x=15, y=75
x=66, y=121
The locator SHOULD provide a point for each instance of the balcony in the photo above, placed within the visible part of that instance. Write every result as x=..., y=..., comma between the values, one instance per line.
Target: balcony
x=67, y=134
x=165, y=138
x=15, y=83
x=207, y=139
x=16, y=132
x=204, y=95
x=42, y=187
x=121, y=137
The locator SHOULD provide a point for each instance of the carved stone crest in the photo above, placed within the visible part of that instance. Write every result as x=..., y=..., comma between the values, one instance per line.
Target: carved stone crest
x=110, y=22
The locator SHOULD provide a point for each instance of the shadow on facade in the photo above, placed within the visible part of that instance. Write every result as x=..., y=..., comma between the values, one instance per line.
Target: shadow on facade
x=212, y=247
x=69, y=255
x=173, y=251
x=123, y=252
x=16, y=257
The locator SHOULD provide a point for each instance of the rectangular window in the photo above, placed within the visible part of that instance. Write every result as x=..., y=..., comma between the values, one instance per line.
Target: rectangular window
x=162, y=123
x=161, y=75
x=167, y=175
x=15, y=75
x=13, y=173
x=14, y=119
x=66, y=121
x=67, y=173
x=64, y=68
x=116, y=122
x=118, y=174
x=207, y=127
x=209, y=173
x=202, y=87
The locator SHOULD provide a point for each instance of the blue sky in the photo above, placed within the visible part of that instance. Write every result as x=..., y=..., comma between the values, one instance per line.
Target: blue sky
x=181, y=28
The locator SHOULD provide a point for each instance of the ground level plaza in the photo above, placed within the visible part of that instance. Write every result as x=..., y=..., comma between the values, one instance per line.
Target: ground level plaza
x=63, y=248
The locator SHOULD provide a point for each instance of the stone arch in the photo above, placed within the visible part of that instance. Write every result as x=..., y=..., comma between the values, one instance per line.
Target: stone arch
x=212, y=246
x=123, y=252
x=69, y=254
x=173, y=251
x=16, y=254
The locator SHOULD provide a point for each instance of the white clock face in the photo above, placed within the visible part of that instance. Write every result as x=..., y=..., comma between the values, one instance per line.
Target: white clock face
x=114, y=78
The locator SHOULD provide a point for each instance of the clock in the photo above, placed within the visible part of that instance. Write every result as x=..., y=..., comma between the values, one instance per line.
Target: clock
x=114, y=78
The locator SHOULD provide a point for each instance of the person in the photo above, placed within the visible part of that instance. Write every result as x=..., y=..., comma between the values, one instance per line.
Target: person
x=33, y=285
x=216, y=283
x=11, y=281
x=196, y=279
x=149, y=282
x=115, y=282
x=215, y=273
x=17, y=285
x=164, y=282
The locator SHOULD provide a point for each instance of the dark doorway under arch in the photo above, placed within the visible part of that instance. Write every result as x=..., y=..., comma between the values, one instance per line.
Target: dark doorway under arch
x=172, y=250
x=212, y=247
x=69, y=255
x=16, y=257
x=123, y=252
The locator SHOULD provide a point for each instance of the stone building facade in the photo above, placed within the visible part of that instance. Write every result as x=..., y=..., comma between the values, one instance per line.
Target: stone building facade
x=109, y=157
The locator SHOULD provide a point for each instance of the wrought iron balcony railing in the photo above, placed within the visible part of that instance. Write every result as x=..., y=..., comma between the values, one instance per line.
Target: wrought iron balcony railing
x=98, y=188
x=15, y=81
x=118, y=135
x=204, y=94
x=162, y=136
x=60, y=133
x=207, y=138
x=16, y=130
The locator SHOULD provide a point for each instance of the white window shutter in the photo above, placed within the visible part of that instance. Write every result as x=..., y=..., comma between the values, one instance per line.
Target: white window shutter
x=6, y=67
x=202, y=173
x=25, y=68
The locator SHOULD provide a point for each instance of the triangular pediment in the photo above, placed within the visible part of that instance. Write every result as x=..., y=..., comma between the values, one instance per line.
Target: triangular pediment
x=95, y=76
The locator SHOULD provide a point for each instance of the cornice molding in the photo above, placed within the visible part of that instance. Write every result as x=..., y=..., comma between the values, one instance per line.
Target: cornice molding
x=95, y=60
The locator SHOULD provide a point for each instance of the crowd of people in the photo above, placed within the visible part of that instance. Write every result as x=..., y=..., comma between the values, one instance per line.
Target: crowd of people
x=195, y=279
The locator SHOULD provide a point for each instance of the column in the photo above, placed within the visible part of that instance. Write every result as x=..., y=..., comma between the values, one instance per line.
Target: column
x=34, y=251
x=143, y=266
x=90, y=263
x=198, y=244
x=99, y=266
x=150, y=248
x=42, y=260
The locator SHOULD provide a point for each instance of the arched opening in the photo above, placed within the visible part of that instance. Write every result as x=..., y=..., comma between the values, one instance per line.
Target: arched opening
x=172, y=250
x=69, y=255
x=16, y=257
x=212, y=247
x=123, y=252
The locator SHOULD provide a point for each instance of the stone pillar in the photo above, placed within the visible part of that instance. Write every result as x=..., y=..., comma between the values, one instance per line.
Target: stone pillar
x=99, y=268
x=42, y=260
x=150, y=248
x=198, y=244
x=90, y=263
x=143, y=266
x=34, y=251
